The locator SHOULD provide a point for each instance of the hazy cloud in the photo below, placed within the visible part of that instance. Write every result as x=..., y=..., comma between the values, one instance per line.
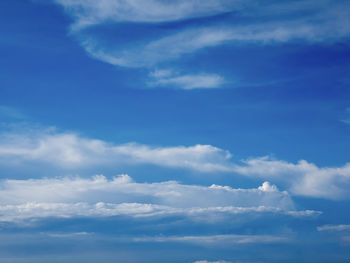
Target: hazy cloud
x=166, y=78
x=333, y=228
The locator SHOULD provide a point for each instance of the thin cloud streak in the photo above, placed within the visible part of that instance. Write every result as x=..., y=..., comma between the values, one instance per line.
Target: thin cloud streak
x=308, y=22
x=333, y=228
x=166, y=78
x=225, y=240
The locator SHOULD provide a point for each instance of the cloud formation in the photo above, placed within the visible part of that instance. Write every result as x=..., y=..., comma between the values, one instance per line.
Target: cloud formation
x=99, y=197
x=307, y=21
x=333, y=228
x=69, y=150
x=324, y=21
x=167, y=78
x=89, y=12
x=302, y=178
x=225, y=240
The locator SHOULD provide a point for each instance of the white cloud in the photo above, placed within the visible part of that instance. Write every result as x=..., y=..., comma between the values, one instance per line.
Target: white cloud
x=157, y=51
x=68, y=150
x=122, y=189
x=302, y=178
x=191, y=40
x=69, y=235
x=222, y=240
x=166, y=78
x=307, y=21
x=333, y=228
x=98, y=197
x=91, y=12
x=325, y=21
x=71, y=150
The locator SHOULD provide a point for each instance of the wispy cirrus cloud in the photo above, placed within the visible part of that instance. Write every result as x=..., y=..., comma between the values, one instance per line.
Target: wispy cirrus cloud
x=346, y=119
x=303, y=21
x=168, y=78
x=225, y=240
x=333, y=228
x=88, y=13
x=162, y=50
x=317, y=23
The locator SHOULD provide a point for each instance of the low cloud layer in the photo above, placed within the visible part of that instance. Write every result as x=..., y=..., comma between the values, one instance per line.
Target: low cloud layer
x=69, y=150
x=99, y=197
x=302, y=178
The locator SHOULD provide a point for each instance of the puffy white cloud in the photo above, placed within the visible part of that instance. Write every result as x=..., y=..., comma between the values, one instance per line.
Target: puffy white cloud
x=122, y=189
x=302, y=178
x=71, y=150
x=99, y=197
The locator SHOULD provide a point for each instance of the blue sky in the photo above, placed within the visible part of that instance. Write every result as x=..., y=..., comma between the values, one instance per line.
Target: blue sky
x=212, y=131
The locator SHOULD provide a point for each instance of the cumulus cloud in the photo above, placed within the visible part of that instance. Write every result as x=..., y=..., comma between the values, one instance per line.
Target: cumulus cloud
x=99, y=197
x=302, y=178
x=122, y=189
x=71, y=150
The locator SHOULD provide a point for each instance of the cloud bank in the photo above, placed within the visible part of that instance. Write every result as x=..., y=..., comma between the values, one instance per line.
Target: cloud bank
x=100, y=197
x=69, y=150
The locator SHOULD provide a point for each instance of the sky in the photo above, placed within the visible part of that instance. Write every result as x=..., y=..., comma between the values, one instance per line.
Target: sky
x=214, y=131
